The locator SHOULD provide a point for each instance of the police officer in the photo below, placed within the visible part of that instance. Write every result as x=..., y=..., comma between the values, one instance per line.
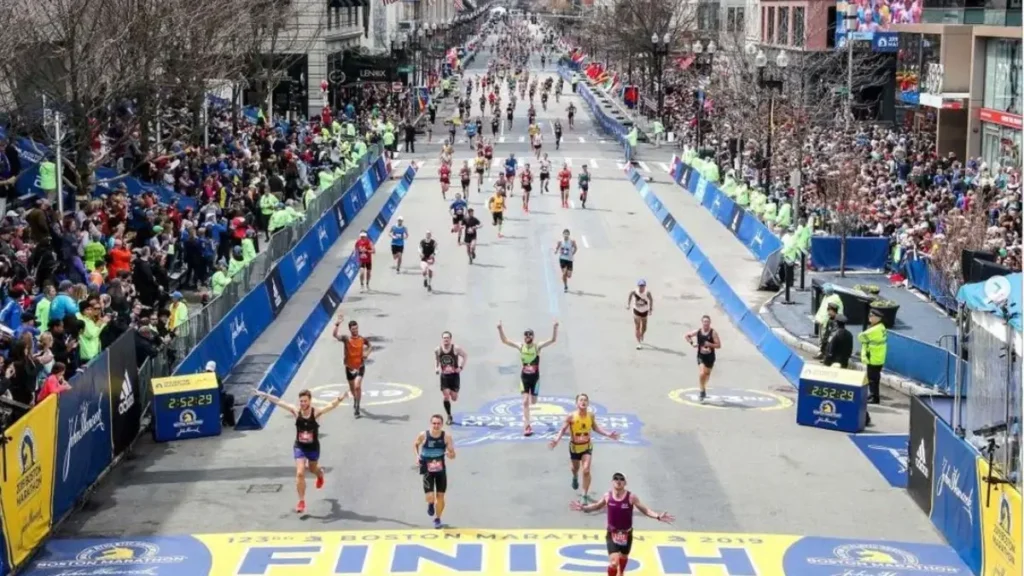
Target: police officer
x=840, y=344
x=873, y=345
x=827, y=328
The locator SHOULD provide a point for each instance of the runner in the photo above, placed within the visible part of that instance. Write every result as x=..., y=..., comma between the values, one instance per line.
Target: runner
x=489, y=156
x=357, y=350
x=449, y=362
x=458, y=212
x=432, y=447
x=579, y=424
x=558, y=134
x=464, y=178
x=641, y=301
x=571, y=113
x=537, y=143
x=526, y=182
x=445, y=174
x=428, y=249
x=584, y=184
x=366, y=251
x=545, y=173
x=529, y=379
x=566, y=250
x=496, y=204
x=619, y=534
x=398, y=237
x=511, y=166
x=706, y=343
x=480, y=164
x=306, y=449
x=564, y=177
x=471, y=224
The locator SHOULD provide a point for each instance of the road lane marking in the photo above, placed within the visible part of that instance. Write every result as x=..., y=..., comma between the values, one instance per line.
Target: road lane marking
x=584, y=240
x=593, y=163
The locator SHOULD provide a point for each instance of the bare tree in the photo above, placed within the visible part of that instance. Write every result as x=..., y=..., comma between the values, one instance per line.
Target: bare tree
x=962, y=230
x=838, y=187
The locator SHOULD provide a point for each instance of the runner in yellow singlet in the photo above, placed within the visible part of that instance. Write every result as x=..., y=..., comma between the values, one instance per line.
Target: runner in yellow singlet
x=580, y=424
x=496, y=204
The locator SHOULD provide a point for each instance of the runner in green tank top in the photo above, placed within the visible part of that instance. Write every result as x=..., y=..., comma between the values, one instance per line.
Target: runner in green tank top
x=529, y=381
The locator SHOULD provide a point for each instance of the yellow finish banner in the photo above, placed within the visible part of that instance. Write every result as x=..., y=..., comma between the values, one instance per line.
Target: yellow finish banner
x=1001, y=534
x=26, y=493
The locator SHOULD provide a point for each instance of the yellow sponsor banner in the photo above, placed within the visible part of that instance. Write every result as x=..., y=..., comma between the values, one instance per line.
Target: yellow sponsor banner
x=26, y=494
x=1001, y=534
x=184, y=383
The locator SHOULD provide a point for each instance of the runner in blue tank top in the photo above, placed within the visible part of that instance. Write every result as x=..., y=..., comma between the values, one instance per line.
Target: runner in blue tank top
x=398, y=237
x=432, y=447
x=619, y=535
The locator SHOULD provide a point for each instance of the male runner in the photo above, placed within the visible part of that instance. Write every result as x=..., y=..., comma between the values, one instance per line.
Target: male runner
x=366, y=250
x=545, y=173
x=529, y=380
x=428, y=248
x=471, y=224
x=564, y=177
x=706, y=343
x=642, y=303
x=445, y=175
x=464, y=178
x=496, y=204
x=581, y=448
x=584, y=184
x=480, y=164
x=558, y=134
x=432, y=447
x=357, y=350
x=566, y=249
x=489, y=156
x=306, y=449
x=619, y=535
x=571, y=113
x=511, y=166
x=458, y=212
x=526, y=182
x=398, y=237
x=449, y=362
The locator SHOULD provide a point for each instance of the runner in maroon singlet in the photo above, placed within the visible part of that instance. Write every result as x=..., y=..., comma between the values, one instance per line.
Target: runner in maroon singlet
x=619, y=536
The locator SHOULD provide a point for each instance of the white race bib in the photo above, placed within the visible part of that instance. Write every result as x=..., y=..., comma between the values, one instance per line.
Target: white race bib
x=620, y=537
x=435, y=465
x=305, y=437
x=529, y=369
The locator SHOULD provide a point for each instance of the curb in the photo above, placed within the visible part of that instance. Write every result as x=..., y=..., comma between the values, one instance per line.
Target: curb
x=898, y=383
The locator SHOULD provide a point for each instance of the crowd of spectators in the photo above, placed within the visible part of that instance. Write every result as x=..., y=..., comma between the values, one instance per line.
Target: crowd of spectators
x=72, y=283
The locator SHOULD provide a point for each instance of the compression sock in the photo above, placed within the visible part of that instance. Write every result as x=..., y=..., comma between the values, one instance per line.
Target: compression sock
x=613, y=570
x=448, y=408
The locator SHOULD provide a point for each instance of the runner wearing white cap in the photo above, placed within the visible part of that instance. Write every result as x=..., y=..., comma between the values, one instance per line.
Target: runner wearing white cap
x=641, y=301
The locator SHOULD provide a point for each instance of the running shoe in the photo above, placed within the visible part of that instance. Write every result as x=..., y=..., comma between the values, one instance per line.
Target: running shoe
x=320, y=481
x=575, y=483
x=703, y=395
x=430, y=509
x=437, y=523
x=528, y=431
x=450, y=420
x=301, y=507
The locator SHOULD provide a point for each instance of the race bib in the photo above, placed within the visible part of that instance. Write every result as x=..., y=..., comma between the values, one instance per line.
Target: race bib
x=448, y=370
x=529, y=369
x=620, y=537
x=305, y=437
x=435, y=465
x=581, y=438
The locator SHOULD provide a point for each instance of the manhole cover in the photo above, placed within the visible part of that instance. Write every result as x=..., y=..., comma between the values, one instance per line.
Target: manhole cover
x=263, y=488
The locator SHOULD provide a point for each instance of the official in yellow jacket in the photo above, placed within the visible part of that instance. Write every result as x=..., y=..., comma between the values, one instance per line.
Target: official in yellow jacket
x=873, y=345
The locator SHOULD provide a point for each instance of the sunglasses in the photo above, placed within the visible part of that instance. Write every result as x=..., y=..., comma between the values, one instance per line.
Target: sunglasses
x=618, y=478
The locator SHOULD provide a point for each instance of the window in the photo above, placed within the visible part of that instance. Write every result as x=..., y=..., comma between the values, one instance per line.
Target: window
x=708, y=17
x=730, y=20
x=783, y=38
x=770, y=39
x=1003, y=75
x=741, y=23
x=798, y=27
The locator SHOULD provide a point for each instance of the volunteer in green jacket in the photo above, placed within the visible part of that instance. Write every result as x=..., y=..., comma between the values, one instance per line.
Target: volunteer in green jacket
x=89, y=335
x=220, y=279
x=267, y=204
x=873, y=345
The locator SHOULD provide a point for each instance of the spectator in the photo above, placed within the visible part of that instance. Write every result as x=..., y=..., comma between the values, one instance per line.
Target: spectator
x=90, y=326
x=54, y=383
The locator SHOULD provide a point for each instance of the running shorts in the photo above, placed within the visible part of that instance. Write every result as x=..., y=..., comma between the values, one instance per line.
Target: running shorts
x=353, y=373
x=707, y=360
x=529, y=384
x=639, y=314
x=435, y=482
x=527, y=187
x=563, y=186
x=368, y=265
x=451, y=382
x=397, y=249
x=469, y=238
x=565, y=264
x=574, y=456
x=479, y=170
x=457, y=218
x=498, y=217
x=545, y=176
x=619, y=547
x=445, y=181
x=465, y=182
x=310, y=453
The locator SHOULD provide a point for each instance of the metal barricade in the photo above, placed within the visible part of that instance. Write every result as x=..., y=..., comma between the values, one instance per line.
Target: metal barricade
x=188, y=335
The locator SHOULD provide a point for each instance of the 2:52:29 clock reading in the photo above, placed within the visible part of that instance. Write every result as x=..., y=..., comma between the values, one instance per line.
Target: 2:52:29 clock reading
x=832, y=393
x=190, y=401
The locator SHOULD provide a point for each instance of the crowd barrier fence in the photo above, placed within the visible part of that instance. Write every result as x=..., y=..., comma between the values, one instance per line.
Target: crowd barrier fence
x=908, y=357
x=607, y=123
x=59, y=450
x=257, y=412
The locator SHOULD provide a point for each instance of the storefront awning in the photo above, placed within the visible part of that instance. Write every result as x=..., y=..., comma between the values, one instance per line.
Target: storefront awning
x=945, y=101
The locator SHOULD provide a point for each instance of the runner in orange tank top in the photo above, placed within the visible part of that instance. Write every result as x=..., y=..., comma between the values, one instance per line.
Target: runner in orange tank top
x=357, y=350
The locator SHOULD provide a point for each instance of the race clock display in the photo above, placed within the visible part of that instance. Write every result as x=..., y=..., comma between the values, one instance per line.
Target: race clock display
x=186, y=406
x=832, y=398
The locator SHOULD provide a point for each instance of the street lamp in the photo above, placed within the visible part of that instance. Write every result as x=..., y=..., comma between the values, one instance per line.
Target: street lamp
x=705, y=62
x=849, y=18
x=773, y=86
x=660, y=51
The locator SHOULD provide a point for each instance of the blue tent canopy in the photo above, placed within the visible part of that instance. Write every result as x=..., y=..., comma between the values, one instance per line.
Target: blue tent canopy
x=973, y=296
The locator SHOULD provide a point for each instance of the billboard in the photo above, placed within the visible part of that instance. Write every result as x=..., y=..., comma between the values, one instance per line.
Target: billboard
x=873, y=17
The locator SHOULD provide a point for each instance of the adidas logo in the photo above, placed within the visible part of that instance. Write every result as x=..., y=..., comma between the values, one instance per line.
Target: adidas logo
x=921, y=459
x=127, y=397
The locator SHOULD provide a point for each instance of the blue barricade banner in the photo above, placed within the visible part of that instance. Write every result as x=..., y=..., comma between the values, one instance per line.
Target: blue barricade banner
x=861, y=253
x=257, y=412
x=230, y=339
x=955, y=501
x=84, y=443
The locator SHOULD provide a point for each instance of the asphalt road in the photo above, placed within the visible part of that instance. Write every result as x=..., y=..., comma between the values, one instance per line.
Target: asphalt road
x=738, y=464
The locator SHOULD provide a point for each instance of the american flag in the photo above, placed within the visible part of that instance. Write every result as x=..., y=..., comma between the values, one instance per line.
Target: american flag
x=459, y=6
x=389, y=2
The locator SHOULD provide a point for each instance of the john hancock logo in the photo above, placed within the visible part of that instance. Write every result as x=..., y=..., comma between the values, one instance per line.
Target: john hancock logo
x=950, y=480
x=502, y=421
x=112, y=557
x=188, y=424
x=827, y=414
